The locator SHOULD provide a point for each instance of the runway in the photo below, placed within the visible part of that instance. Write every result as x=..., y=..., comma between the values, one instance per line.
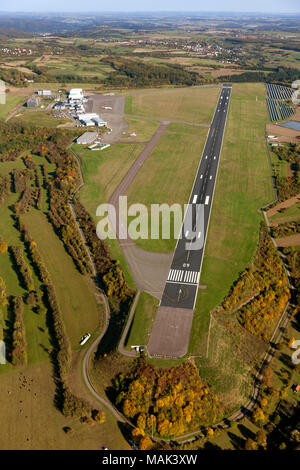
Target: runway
x=183, y=278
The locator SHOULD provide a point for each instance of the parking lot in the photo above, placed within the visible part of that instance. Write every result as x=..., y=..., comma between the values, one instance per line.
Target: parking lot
x=114, y=117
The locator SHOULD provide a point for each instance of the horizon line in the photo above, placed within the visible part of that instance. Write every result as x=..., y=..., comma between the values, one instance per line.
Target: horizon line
x=153, y=11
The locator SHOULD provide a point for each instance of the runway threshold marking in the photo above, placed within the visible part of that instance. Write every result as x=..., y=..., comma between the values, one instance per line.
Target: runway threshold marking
x=183, y=277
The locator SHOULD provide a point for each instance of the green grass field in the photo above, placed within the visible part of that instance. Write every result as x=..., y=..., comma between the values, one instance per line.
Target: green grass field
x=30, y=421
x=103, y=171
x=80, y=311
x=7, y=167
x=143, y=128
x=39, y=118
x=194, y=105
x=11, y=102
x=175, y=158
x=141, y=326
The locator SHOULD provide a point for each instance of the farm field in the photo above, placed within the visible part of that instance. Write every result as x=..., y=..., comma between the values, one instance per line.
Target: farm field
x=75, y=295
x=54, y=86
x=142, y=321
x=194, y=105
x=175, y=158
x=30, y=421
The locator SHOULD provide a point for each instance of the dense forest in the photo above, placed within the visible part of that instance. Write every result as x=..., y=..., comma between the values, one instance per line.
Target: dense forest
x=293, y=262
x=282, y=75
x=168, y=401
x=139, y=74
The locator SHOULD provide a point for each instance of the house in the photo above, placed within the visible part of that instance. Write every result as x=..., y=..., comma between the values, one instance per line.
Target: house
x=44, y=92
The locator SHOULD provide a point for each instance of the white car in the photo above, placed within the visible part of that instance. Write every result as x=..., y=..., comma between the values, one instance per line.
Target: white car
x=84, y=339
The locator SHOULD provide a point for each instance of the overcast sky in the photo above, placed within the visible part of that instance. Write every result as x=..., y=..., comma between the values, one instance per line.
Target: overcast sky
x=271, y=6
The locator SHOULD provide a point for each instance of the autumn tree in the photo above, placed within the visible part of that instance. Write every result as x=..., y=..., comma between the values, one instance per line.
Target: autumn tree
x=99, y=416
x=258, y=416
x=261, y=438
x=250, y=444
x=267, y=378
x=3, y=247
x=145, y=443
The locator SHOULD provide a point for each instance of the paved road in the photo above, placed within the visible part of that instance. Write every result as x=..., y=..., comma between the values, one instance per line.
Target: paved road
x=183, y=278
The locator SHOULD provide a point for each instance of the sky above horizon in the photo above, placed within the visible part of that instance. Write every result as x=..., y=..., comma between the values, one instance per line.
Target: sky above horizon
x=270, y=6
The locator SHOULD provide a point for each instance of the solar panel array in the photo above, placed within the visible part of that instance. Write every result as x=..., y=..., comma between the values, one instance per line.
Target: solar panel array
x=276, y=95
x=273, y=112
x=278, y=92
x=285, y=110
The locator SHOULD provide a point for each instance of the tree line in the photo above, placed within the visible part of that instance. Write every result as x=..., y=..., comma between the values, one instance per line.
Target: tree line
x=19, y=353
x=5, y=184
x=280, y=76
x=261, y=292
x=66, y=401
x=111, y=277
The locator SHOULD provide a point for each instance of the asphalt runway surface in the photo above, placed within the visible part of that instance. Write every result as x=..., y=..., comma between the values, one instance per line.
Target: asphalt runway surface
x=183, y=278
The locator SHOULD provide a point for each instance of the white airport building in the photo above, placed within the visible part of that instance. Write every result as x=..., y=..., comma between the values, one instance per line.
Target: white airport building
x=87, y=138
x=76, y=95
x=91, y=119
